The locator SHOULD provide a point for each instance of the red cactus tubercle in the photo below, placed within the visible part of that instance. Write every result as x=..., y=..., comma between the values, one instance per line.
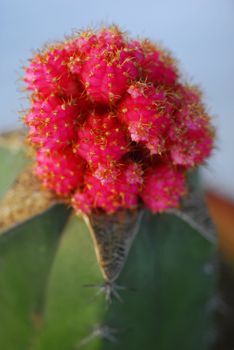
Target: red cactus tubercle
x=112, y=125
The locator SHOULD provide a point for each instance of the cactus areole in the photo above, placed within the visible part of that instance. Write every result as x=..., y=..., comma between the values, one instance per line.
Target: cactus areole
x=115, y=129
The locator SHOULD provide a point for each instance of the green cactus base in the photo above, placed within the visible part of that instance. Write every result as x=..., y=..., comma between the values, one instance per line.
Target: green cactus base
x=46, y=305
x=166, y=303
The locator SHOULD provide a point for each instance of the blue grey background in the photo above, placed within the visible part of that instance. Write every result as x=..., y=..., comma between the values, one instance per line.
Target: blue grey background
x=199, y=32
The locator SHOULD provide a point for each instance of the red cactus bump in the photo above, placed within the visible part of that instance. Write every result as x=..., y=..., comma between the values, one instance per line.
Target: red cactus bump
x=191, y=137
x=164, y=185
x=158, y=66
x=48, y=73
x=52, y=122
x=109, y=68
x=112, y=124
x=101, y=139
x=120, y=192
x=146, y=113
x=61, y=172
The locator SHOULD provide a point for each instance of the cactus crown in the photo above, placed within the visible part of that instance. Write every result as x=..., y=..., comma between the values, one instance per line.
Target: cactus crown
x=112, y=123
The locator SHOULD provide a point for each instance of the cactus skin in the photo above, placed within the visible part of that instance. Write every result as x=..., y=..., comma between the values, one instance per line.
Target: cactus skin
x=161, y=291
x=223, y=337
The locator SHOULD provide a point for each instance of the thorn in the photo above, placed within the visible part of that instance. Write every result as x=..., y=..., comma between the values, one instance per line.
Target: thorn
x=103, y=331
x=110, y=290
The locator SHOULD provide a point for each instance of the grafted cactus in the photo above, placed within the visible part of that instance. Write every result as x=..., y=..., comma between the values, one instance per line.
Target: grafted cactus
x=116, y=135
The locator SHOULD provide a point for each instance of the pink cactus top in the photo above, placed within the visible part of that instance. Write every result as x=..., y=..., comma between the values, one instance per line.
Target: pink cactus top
x=112, y=123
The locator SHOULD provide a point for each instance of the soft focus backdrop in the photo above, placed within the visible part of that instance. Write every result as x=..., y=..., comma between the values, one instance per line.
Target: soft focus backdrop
x=200, y=33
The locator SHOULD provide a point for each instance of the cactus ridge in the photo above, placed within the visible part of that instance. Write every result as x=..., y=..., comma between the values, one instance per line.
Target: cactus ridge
x=113, y=236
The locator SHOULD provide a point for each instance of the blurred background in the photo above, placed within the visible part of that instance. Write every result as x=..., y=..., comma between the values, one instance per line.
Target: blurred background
x=200, y=33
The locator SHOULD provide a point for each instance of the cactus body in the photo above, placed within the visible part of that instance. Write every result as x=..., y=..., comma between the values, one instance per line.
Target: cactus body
x=164, y=275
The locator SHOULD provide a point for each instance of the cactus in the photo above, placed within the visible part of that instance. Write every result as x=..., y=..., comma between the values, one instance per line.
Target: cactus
x=168, y=286
x=115, y=135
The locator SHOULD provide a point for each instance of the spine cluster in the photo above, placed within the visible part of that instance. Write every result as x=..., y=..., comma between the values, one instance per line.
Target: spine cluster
x=112, y=124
